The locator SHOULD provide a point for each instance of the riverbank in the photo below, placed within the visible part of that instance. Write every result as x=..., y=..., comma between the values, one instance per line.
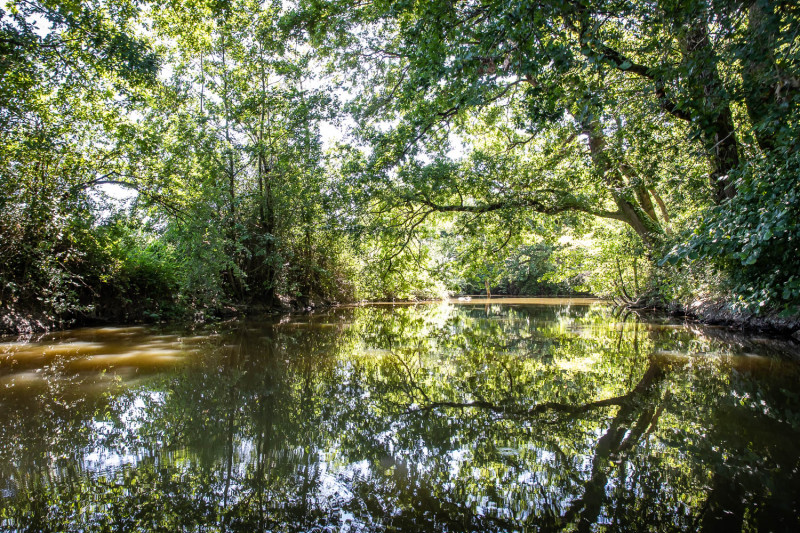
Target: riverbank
x=32, y=321
x=711, y=312
x=716, y=312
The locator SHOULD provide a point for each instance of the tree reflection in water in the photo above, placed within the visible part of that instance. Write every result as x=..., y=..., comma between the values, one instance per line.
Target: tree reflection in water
x=425, y=418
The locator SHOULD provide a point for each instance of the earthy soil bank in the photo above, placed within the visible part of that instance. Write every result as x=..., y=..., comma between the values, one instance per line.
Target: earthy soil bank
x=723, y=313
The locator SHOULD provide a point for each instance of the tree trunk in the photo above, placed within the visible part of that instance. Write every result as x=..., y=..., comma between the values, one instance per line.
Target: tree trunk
x=759, y=73
x=269, y=227
x=634, y=214
x=712, y=109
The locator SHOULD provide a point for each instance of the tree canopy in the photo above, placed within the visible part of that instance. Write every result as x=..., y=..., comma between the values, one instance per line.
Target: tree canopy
x=648, y=113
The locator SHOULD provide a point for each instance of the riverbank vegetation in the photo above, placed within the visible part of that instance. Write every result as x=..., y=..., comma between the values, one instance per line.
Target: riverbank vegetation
x=170, y=159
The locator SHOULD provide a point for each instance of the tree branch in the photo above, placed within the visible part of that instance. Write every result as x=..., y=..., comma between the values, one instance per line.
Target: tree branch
x=567, y=203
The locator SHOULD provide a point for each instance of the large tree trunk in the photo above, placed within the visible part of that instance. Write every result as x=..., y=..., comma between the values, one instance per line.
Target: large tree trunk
x=268, y=227
x=637, y=216
x=711, y=109
x=760, y=73
x=705, y=105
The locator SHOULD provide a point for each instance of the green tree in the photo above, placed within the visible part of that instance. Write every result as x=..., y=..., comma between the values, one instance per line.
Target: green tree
x=258, y=159
x=70, y=74
x=579, y=94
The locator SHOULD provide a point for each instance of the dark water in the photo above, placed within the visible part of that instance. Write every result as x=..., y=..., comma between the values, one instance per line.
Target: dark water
x=464, y=417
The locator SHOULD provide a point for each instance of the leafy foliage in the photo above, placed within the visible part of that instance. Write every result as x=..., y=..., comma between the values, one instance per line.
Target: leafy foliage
x=508, y=145
x=756, y=237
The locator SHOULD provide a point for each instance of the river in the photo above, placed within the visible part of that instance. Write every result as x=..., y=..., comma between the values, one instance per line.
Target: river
x=509, y=415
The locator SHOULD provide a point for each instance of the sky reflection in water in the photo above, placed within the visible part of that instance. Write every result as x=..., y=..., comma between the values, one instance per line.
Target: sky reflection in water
x=519, y=415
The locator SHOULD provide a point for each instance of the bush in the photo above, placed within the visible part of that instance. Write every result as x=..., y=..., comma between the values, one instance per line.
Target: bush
x=754, y=239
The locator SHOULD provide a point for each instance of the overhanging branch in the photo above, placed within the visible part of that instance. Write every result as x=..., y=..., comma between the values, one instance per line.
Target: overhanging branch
x=567, y=202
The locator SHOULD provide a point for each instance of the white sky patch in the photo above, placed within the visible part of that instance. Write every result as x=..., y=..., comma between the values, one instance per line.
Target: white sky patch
x=331, y=133
x=459, y=147
x=118, y=193
x=41, y=26
x=166, y=72
x=112, y=198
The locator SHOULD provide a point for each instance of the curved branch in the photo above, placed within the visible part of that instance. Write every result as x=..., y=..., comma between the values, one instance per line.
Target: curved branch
x=624, y=63
x=535, y=410
x=566, y=203
x=115, y=178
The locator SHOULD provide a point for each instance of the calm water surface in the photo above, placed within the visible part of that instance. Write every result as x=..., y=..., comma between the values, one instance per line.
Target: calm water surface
x=522, y=415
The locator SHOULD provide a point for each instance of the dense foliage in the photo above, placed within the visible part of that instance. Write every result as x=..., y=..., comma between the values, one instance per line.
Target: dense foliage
x=219, y=146
x=677, y=119
x=645, y=150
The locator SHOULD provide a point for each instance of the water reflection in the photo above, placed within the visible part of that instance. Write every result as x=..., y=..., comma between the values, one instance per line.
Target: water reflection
x=445, y=417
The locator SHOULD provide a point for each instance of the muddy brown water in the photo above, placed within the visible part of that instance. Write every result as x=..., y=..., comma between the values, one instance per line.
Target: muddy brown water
x=507, y=415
